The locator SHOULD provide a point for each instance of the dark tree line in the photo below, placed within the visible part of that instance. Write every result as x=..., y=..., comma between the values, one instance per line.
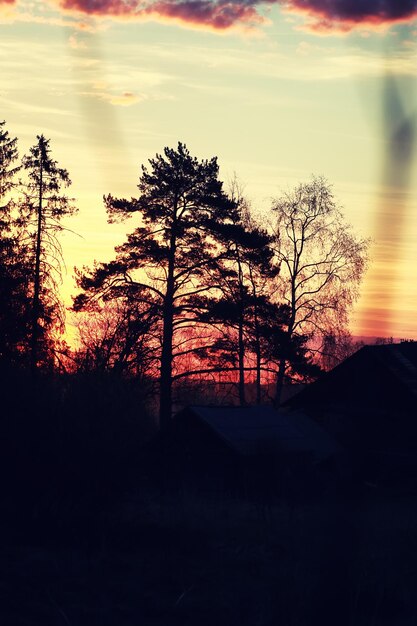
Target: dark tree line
x=32, y=206
x=199, y=291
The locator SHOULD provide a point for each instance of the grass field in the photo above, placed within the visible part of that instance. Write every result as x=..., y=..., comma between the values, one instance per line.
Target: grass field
x=180, y=558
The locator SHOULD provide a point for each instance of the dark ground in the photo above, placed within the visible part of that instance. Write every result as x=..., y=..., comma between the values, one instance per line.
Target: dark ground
x=192, y=560
x=89, y=537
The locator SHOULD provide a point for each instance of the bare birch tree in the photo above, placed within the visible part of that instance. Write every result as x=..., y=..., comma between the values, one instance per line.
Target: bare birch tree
x=322, y=263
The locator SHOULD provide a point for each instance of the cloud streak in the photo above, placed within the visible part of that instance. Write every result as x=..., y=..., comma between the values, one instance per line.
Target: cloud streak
x=125, y=98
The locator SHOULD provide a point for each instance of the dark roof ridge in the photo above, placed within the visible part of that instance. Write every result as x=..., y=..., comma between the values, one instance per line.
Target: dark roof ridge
x=402, y=368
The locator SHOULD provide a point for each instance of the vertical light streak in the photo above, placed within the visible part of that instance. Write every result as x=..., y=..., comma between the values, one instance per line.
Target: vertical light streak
x=398, y=131
x=101, y=123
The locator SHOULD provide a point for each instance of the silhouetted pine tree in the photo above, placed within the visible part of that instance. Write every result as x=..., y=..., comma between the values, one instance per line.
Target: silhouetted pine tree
x=43, y=207
x=14, y=270
x=168, y=260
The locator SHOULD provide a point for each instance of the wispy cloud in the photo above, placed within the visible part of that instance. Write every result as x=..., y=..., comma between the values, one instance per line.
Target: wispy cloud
x=125, y=98
x=34, y=108
x=319, y=62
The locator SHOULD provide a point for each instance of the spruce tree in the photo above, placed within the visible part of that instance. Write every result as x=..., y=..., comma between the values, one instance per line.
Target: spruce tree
x=14, y=287
x=42, y=209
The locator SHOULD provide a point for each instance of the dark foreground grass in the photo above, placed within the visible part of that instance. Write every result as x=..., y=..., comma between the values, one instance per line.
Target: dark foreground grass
x=97, y=531
x=180, y=558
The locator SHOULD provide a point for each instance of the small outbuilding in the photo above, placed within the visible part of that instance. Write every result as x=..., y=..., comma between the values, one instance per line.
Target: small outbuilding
x=369, y=404
x=254, y=447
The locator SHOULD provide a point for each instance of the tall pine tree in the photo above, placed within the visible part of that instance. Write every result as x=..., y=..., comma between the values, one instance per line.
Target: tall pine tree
x=168, y=260
x=14, y=286
x=43, y=208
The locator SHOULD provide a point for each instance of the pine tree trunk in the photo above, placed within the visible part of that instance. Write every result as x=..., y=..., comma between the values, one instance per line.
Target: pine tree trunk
x=241, y=356
x=37, y=282
x=165, y=393
x=258, y=372
x=280, y=382
x=282, y=367
x=257, y=352
x=165, y=389
x=241, y=341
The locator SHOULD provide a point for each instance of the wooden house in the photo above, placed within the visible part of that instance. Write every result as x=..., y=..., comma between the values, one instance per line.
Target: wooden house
x=369, y=404
x=254, y=448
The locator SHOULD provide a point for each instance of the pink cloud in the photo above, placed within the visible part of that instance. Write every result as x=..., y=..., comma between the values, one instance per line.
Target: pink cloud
x=345, y=15
x=216, y=15
x=101, y=7
x=321, y=15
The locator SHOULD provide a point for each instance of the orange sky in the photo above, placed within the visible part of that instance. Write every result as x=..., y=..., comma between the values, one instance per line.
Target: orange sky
x=277, y=96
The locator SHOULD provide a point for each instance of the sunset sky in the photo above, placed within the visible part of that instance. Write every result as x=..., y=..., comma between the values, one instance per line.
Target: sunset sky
x=277, y=90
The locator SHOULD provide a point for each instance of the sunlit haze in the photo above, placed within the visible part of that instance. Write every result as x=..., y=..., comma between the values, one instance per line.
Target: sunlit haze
x=278, y=91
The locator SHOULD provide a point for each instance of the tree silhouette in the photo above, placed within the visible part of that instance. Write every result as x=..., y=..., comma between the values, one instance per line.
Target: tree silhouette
x=336, y=347
x=243, y=277
x=168, y=260
x=264, y=314
x=114, y=337
x=322, y=263
x=14, y=286
x=43, y=207
x=8, y=167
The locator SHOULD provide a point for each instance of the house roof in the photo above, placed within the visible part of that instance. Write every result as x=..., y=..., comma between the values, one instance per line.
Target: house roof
x=379, y=375
x=401, y=360
x=259, y=430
